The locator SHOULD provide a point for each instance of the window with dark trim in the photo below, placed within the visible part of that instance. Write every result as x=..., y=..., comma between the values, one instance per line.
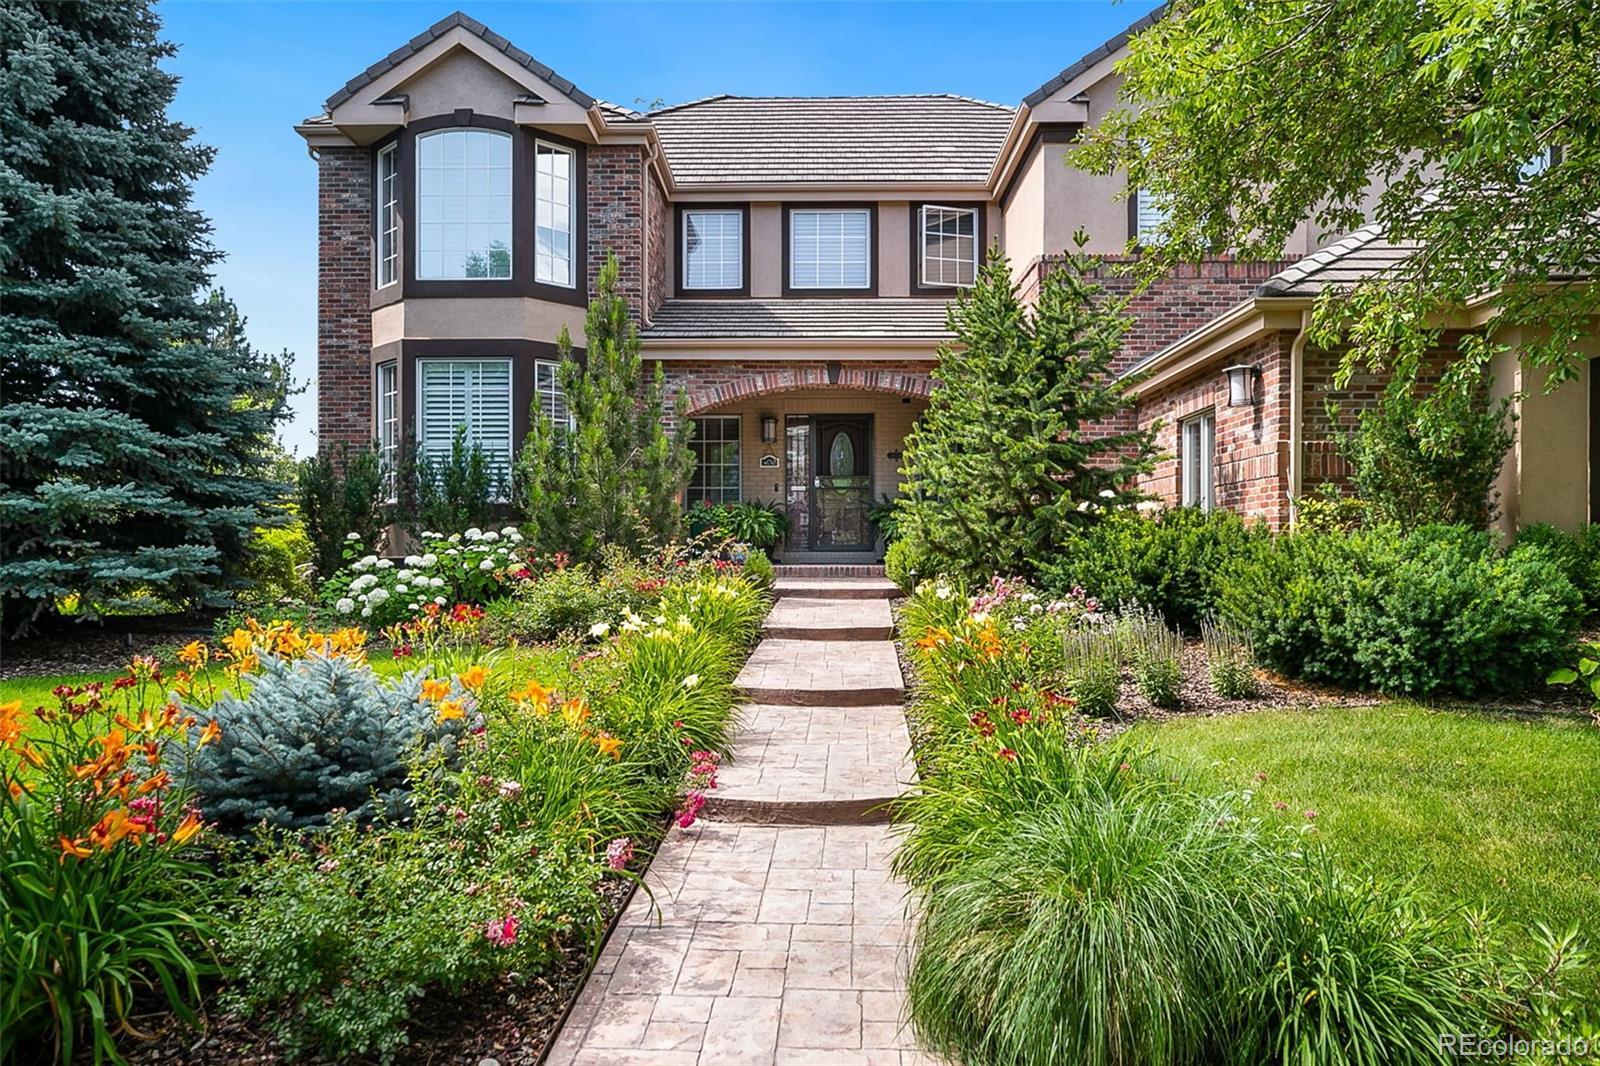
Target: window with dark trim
x=464, y=205
x=713, y=249
x=470, y=396
x=555, y=210
x=1149, y=216
x=386, y=415
x=547, y=393
x=830, y=248
x=949, y=243
x=387, y=245
x=717, y=472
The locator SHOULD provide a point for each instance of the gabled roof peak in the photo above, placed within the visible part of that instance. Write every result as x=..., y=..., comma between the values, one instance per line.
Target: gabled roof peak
x=1095, y=55
x=455, y=20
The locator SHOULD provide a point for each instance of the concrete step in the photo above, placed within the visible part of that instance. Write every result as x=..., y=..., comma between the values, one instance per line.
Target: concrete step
x=793, y=618
x=828, y=570
x=822, y=673
x=814, y=766
x=836, y=588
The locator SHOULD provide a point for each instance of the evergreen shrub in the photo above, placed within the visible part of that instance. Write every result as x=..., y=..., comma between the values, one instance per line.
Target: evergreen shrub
x=314, y=735
x=1434, y=612
x=1576, y=555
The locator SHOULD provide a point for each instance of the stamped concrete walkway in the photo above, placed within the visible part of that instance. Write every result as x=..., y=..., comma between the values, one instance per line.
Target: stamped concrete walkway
x=771, y=931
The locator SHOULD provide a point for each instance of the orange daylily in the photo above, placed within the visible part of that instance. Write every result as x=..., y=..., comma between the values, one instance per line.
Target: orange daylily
x=574, y=711
x=15, y=788
x=238, y=643
x=535, y=694
x=76, y=849
x=435, y=689
x=246, y=664
x=10, y=723
x=989, y=642
x=473, y=678
x=113, y=828
x=187, y=829
x=607, y=744
x=934, y=637
x=150, y=784
x=32, y=755
x=451, y=709
x=194, y=653
x=211, y=732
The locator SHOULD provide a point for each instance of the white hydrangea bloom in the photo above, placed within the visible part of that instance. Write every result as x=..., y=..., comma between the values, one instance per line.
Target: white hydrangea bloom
x=363, y=583
x=413, y=560
x=429, y=536
x=345, y=605
x=385, y=564
x=509, y=531
x=365, y=564
x=487, y=564
x=489, y=537
x=454, y=538
x=430, y=559
x=402, y=588
x=352, y=536
x=366, y=612
x=440, y=600
x=377, y=596
x=436, y=582
x=404, y=574
x=472, y=534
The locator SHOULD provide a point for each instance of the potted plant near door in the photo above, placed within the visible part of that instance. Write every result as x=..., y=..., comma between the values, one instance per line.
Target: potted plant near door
x=760, y=525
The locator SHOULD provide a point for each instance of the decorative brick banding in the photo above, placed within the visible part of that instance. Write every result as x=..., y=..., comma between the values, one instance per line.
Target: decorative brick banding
x=711, y=385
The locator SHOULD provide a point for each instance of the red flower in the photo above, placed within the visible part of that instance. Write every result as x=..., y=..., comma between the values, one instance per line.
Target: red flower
x=1007, y=754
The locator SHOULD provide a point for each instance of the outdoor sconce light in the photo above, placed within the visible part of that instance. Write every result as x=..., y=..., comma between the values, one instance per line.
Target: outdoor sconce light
x=1242, y=385
x=769, y=429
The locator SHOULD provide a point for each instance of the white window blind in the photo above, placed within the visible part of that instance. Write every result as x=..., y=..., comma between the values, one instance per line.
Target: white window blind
x=547, y=391
x=464, y=204
x=474, y=394
x=386, y=413
x=553, y=214
x=949, y=246
x=1150, y=214
x=1197, y=460
x=713, y=249
x=388, y=243
x=716, y=476
x=830, y=249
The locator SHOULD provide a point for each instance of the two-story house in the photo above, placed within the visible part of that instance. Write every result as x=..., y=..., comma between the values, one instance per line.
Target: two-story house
x=789, y=261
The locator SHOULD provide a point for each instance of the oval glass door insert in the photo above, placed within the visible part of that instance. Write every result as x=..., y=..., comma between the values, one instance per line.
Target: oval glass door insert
x=842, y=455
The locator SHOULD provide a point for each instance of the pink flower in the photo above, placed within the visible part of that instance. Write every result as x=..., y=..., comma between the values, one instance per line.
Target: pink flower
x=619, y=853
x=510, y=789
x=693, y=801
x=1311, y=815
x=501, y=932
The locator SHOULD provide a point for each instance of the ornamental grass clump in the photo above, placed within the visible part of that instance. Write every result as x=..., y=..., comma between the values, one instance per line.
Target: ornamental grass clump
x=1230, y=661
x=103, y=899
x=1155, y=654
x=318, y=731
x=1093, y=658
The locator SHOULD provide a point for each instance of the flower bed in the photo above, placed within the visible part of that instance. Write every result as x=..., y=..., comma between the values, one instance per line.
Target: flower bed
x=1082, y=901
x=453, y=817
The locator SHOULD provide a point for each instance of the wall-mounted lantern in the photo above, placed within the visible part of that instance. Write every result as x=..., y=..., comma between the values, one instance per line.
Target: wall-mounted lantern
x=1242, y=381
x=769, y=429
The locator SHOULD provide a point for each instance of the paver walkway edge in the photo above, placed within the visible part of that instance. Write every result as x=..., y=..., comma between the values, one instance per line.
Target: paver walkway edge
x=772, y=931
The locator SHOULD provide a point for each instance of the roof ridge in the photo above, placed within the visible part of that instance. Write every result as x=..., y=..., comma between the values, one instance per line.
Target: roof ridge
x=835, y=97
x=1093, y=56
x=1320, y=260
x=439, y=29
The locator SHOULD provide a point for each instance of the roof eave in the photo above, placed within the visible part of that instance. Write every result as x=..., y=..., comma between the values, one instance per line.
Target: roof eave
x=1233, y=329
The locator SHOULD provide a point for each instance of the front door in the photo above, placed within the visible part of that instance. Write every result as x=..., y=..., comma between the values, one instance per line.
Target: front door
x=838, y=451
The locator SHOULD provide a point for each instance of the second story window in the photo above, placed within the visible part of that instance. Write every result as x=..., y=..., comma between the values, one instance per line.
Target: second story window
x=713, y=249
x=464, y=205
x=388, y=242
x=949, y=246
x=553, y=214
x=387, y=416
x=1149, y=215
x=830, y=248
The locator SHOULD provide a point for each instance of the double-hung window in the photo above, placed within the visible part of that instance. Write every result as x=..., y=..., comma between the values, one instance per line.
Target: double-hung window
x=830, y=248
x=547, y=392
x=1197, y=447
x=716, y=460
x=713, y=249
x=949, y=246
x=464, y=204
x=554, y=207
x=386, y=412
x=471, y=397
x=387, y=245
x=1149, y=215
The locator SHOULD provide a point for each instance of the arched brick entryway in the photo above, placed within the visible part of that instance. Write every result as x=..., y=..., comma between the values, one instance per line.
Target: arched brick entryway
x=705, y=395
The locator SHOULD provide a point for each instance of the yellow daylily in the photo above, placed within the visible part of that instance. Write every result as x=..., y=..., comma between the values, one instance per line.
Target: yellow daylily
x=473, y=678
x=450, y=710
x=435, y=689
x=607, y=744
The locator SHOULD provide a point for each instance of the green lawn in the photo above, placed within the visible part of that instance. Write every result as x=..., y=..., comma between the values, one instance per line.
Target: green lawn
x=1479, y=808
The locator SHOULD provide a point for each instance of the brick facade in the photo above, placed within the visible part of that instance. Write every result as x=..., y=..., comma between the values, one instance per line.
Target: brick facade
x=1252, y=442
x=344, y=280
x=658, y=237
x=710, y=384
x=616, y=206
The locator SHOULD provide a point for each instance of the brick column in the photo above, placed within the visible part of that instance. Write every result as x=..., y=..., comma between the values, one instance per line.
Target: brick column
x=616, y=218
x=344, y=284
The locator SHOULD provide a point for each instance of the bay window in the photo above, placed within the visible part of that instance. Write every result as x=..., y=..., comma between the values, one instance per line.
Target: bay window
x=830, y=248
x=554, y=220
x=469, y=396
x=464, y=205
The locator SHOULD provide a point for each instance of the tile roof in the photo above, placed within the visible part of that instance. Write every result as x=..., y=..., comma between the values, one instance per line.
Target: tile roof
x=775, y=140
x=866, y=318
x=1366, y=252
x=1043, y=92
x=439, y=29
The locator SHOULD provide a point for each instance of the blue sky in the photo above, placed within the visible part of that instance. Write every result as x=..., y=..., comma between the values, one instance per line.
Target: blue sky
x=252, y=70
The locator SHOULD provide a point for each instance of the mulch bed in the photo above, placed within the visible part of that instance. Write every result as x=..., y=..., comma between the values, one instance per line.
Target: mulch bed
x=89, y=647
x=508, y=1023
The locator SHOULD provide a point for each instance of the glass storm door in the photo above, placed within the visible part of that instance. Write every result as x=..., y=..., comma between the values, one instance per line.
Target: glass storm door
x=841, y=483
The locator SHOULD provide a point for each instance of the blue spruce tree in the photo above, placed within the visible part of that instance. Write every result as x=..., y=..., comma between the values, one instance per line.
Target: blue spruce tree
x=135, y=421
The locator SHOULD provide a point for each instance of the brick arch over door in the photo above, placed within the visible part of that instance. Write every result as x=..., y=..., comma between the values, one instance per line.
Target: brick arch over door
x=791, y=379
